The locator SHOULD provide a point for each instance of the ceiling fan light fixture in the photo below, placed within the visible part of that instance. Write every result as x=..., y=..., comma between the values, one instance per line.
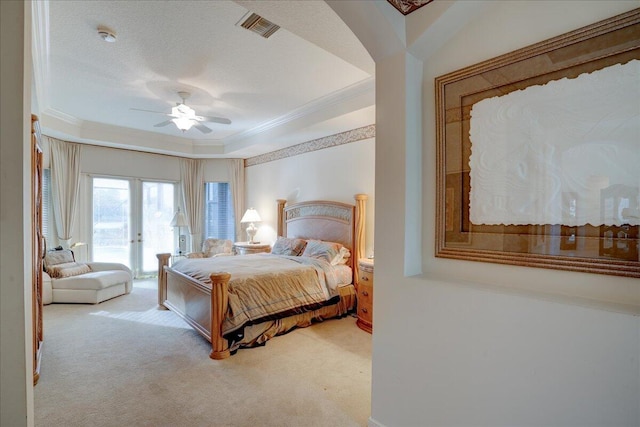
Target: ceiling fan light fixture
x=184, y=117
x=182, y=110
x=183, y=123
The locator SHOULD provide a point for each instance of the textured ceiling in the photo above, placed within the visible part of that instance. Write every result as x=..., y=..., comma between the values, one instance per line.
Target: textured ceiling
x=300, y=81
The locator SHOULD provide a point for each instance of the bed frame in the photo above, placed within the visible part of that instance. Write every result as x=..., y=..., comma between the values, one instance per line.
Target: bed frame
x=204, y=306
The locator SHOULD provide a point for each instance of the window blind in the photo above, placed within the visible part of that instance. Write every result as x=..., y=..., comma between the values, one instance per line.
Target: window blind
x=218, y=215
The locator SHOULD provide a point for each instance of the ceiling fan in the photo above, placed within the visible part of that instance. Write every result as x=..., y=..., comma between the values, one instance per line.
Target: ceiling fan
x=184, y=117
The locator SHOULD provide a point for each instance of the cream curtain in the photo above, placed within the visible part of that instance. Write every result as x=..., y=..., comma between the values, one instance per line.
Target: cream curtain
x=192, y=184
x=236, y=173
x=65, y=186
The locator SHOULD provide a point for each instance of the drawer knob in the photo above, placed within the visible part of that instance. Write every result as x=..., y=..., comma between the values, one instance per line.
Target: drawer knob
x=365, y=278
x=365, y=293
x=364, y=310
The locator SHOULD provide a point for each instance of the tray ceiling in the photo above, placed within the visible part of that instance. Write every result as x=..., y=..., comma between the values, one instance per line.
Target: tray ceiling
x=310, y=78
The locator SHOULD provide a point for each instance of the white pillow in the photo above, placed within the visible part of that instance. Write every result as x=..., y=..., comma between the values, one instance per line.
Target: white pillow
x=287, y=246
x=333, y=253
x=68, y=269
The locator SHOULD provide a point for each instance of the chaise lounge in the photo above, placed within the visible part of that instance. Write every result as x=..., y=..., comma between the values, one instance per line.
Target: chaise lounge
x=68, y=281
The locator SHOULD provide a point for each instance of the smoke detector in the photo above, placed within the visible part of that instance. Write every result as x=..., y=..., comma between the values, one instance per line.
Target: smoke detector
x=106, y=34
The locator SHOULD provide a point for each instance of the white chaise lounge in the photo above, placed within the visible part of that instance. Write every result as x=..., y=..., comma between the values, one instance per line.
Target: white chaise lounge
x=67, y=281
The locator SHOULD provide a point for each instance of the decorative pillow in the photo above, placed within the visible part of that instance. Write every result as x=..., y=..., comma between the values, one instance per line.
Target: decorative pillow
x=223, y=254
x=346, y=254
x=57, y=257
x=67, y=269
x=211, y=247
x=287, y=246
x=333, y=253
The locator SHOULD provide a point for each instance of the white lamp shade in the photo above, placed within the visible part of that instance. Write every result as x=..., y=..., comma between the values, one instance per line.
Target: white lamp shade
x=251, y=215
x=178, y=220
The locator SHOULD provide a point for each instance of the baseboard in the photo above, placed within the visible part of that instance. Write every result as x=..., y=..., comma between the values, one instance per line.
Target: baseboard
x=374, y=423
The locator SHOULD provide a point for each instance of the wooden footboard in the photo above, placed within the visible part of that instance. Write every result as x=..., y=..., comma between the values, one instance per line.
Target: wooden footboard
x=202, y=307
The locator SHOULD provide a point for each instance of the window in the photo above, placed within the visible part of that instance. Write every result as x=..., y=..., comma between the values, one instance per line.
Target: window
x=218, y=211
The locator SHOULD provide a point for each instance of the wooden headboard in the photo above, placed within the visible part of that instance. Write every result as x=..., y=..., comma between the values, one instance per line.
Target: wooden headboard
x=326, y=220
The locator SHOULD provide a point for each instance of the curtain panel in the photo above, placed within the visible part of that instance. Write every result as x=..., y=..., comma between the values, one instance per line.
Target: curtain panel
x=65, y=186
x=236, y=173
x=192, y=185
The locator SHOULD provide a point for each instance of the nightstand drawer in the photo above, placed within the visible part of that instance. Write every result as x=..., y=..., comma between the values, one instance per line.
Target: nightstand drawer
x=365, y=302
x=365, y=295
x=366, y=277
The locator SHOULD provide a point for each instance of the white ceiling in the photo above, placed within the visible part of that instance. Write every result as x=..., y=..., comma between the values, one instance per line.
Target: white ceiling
x=310, y=79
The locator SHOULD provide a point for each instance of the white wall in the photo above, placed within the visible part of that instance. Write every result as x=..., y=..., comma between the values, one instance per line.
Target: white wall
x=336, y=173
x=452, y=348
x=16, y=369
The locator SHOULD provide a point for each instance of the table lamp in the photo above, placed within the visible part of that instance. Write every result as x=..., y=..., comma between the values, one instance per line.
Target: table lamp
x=251, y=216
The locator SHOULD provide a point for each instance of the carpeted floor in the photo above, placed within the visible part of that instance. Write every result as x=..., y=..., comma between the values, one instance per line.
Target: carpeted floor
x=125, y=363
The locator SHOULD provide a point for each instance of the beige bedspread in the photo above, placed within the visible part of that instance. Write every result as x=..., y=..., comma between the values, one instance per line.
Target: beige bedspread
x=266, y=286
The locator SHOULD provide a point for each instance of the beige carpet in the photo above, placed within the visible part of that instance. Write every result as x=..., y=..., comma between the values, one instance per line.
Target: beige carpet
x=125, y=363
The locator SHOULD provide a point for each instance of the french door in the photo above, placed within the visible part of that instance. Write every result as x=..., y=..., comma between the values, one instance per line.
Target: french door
x=130, y=221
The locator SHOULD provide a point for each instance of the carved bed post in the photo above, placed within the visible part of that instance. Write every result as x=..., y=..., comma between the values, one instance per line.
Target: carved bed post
x=219, y=305
x=163, y=261
x=359, y=248
x=280, y=228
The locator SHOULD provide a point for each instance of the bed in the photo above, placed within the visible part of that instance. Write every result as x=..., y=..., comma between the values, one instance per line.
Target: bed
x=216, y=296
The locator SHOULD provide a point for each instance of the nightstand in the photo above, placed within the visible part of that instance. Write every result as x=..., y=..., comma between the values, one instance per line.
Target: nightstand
x=245, y=248
x=365, y=294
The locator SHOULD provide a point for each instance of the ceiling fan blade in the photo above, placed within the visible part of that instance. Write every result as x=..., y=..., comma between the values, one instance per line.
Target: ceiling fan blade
x=202, y=128
x=162, y=124
x=150, y=111
x=220, y=120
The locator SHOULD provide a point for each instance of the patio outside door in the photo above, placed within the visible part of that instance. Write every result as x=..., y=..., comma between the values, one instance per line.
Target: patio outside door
x=131, y=222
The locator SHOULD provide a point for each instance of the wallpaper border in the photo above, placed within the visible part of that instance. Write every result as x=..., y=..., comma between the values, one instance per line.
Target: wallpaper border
x=353, y=135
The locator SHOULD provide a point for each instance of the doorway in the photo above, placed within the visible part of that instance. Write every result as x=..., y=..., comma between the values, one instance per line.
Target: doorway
x=130, y=222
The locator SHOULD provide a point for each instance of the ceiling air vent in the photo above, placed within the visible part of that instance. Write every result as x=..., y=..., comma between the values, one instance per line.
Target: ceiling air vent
x=258, y=25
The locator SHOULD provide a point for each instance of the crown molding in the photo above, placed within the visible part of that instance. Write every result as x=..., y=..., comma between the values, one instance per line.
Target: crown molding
x=65, y=126
x=319, y=104
x=68, y=127
x=64, y=117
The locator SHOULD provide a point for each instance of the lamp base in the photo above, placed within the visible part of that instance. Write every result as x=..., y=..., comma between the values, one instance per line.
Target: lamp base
x=182, y=244
x=251, y=233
